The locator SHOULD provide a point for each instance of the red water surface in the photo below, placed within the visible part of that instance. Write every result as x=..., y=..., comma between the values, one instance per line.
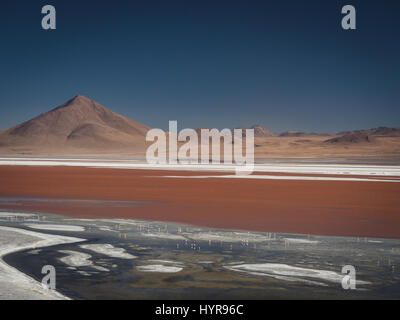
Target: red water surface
x=345, y=208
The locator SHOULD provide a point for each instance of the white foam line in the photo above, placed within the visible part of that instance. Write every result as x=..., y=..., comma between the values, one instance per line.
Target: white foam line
x=382, y=170
x=300, y=241
x=14, y=279
x=55, y=227
x=227, y=236
x=165, y=261
x=159, y=268
x=16, y=215
x=164, y=236
x=268, y=177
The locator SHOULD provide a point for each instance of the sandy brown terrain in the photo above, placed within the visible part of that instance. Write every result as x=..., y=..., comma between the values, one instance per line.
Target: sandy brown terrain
x=312, y=146
x=82, y=126
x=350, y=208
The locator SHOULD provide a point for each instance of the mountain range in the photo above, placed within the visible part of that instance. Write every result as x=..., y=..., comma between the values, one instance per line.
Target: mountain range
x=83, y=126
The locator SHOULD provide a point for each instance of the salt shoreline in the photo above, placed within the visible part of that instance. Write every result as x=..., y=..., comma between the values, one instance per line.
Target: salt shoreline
x=317, y=168
x=24, y=287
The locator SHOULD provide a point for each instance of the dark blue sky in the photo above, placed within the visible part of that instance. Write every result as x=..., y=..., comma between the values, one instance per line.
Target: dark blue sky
x=282, y=64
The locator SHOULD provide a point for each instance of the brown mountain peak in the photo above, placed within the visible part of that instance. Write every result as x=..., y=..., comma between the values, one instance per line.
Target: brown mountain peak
x=81, y=123
x=80, y=101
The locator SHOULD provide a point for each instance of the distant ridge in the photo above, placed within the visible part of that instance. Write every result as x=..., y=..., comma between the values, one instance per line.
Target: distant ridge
x=259, y=131
x=301, y=134
x=292, y=134
x=362, y=136
x=381, y=131
x=351, y=138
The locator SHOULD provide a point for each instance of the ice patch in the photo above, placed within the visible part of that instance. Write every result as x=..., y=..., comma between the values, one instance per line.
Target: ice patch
x=55, y=227
x=297, y=240
x=100, y=268
x=165, y=261
x=76, y=259
x=164, y=236
x=35, y=252
x=291, y=273
x=107, y=229
x=108, y=250
x=228, y=237
x=159, y=268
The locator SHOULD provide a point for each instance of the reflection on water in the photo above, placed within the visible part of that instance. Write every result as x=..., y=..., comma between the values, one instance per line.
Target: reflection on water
x=133, y=259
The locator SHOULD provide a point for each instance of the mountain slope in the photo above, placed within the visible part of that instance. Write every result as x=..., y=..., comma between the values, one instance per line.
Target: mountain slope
x=259, y=131
x=80, y=123
x=364, y=136
x=381, y=131
x=351, y=138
